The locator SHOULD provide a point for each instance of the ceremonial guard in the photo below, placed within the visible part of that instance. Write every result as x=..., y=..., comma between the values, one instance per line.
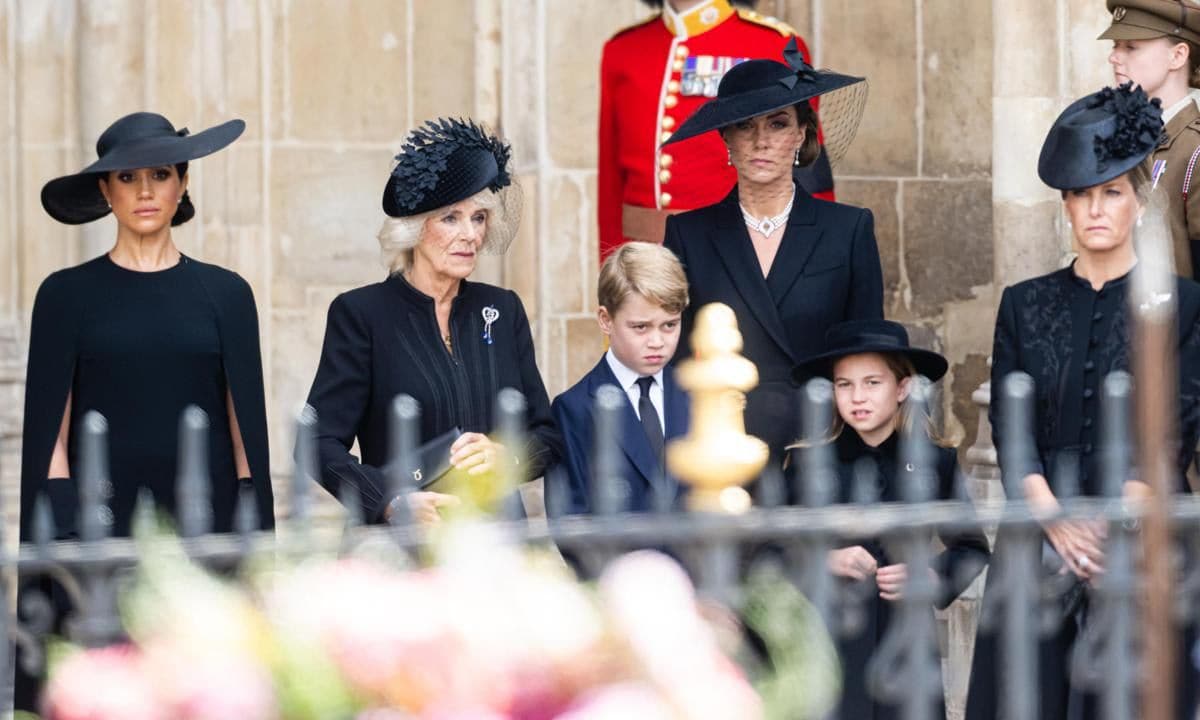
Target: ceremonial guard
x=1156, y=44
x=653, y=76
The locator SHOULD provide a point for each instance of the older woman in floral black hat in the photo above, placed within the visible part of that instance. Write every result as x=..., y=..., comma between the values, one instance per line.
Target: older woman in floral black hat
x=429, y=332
x=788, y=264
x=137, y=335
x=1067, y=331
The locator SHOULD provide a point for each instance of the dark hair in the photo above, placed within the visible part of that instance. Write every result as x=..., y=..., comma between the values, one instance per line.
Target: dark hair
x=1193, y=63
x=743, y=3
x=186, y=210
x=811, y=149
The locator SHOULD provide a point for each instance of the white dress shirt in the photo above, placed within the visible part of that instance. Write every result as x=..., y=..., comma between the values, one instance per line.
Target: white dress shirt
x=628, y=381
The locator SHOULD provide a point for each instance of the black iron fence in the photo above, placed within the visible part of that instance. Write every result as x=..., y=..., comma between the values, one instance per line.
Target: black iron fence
x=717, y=549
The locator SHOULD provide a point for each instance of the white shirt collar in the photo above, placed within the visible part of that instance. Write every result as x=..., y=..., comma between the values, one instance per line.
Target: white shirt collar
x=628, y=378
x=1169, y=113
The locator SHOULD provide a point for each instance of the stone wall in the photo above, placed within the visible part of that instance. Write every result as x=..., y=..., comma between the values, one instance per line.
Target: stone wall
x=961, y=93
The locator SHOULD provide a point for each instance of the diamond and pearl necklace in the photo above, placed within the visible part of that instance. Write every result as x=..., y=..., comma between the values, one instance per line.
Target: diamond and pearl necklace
x=769, y=225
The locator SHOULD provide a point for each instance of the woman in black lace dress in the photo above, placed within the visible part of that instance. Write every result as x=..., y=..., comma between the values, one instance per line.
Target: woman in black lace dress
x=1068, y=330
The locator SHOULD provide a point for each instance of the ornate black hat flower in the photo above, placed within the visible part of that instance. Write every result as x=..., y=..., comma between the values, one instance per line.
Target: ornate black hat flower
x=1100, y=137
x=443, y=162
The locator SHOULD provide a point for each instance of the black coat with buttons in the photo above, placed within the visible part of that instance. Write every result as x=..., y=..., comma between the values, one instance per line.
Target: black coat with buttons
x=1068, y=337
x=382, y=340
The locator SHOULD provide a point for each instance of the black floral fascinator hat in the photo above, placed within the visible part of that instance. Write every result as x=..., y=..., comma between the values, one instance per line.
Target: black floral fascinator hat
x=139, y=140
x=758, y=87
x=853, y=337
x=449, y=160
x=1100, y=137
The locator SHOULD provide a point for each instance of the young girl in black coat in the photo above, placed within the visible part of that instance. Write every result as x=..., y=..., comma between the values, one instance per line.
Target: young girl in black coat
x=873, y=370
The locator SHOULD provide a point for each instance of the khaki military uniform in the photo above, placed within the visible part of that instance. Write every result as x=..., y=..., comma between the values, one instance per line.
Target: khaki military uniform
x=1176, y=163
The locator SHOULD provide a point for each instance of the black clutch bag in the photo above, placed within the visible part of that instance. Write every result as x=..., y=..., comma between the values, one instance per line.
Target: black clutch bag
x=433, y=459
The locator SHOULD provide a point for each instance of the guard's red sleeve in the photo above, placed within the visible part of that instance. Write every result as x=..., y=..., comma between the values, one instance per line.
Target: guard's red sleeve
x=609, y=182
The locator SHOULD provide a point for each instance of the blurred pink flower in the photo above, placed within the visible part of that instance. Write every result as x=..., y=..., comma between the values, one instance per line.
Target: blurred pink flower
x=208, y=688
x=103, y=684
x=621, y=702
x=653, y=605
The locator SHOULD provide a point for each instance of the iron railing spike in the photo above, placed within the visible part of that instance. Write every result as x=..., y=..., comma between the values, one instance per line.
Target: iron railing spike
x=404, y=432
x=95, y=520
x=306, y=472
x=817, y=475
x=43, y=531
x=609, y=491
x=193, y=481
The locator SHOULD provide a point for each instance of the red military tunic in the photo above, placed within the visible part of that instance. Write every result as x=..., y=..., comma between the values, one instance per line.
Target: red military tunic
x=652, y=77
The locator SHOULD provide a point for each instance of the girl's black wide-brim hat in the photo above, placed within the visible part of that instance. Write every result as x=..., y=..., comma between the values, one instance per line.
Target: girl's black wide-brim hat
x=449, y=160
x=757, y=87
x=868, y=336
x=1100, y=137
x=139, y=140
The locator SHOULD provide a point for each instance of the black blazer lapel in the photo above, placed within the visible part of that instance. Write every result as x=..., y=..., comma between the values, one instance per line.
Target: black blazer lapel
x=731, y=242
x=800, y=237
x=633, y=439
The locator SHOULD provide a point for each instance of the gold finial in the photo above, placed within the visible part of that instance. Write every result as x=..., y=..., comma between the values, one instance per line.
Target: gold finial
x=716, y=458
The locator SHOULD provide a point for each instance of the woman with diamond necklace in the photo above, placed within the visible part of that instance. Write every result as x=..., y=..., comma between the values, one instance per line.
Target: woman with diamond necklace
x=789, y=265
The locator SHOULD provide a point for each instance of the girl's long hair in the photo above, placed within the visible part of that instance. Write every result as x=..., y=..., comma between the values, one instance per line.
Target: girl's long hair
x=901, y=367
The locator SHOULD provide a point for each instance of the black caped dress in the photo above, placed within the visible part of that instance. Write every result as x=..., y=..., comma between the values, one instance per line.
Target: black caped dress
x=1068, y=337
x=139, y=347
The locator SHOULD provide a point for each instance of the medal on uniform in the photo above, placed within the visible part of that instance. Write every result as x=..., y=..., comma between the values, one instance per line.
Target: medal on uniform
x=1160, y=166
x=690, y=84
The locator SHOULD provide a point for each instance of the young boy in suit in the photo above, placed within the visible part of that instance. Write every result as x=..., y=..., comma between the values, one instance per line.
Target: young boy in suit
x=642, y=292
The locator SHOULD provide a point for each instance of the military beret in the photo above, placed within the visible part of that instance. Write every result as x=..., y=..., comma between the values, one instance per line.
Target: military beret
x=1149, y=19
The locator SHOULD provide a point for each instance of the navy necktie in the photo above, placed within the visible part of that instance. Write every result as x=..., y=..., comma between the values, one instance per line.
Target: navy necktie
x=650, y=423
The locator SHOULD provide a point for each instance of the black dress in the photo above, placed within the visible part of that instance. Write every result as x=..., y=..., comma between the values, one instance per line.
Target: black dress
x=139, y=347
x=382, y=340
x=1068, y=337
x=964, y=556
x=825, y=271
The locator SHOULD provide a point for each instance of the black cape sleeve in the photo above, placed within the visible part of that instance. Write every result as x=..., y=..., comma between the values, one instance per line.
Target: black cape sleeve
x=53, y=347
x=237, y=322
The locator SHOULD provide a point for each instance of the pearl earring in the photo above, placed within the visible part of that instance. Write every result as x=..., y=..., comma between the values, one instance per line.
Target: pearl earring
x=728, y=156
x=796, y=162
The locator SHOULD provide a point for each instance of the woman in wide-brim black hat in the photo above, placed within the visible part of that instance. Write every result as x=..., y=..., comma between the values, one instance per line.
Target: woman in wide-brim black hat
x=429, y=332
x=873, y=369
x=137, y=335
x=1067, y=331
x=789, y=265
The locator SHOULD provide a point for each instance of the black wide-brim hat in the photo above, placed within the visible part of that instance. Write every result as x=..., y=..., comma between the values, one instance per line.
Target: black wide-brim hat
x=854, y=337
x=139, y=140
x=758, y=87
x=1100, y=137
